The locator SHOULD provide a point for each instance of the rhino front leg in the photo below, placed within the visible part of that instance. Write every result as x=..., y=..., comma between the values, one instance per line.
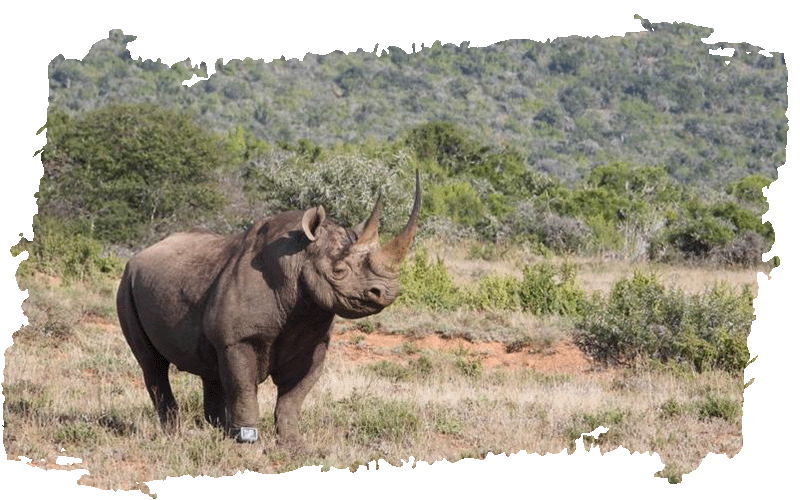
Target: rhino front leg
x=293, y=386
x=238, y=369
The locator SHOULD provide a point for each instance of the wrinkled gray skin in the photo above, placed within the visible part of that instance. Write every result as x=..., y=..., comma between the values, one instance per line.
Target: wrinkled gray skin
x=236, y=310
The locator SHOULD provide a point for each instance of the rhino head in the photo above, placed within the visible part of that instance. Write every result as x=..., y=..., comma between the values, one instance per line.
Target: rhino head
x=347, y=271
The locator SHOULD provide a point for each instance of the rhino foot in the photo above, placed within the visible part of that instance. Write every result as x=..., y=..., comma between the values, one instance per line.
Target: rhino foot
x=294, y=446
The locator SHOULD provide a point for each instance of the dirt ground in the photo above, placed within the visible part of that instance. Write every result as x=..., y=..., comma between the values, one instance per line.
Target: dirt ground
x=561, y=358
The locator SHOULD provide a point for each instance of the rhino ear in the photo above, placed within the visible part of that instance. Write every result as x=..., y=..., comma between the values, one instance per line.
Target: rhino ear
x=312, y=220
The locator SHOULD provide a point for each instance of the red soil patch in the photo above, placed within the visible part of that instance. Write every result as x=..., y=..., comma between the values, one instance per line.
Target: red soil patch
x=564, y=357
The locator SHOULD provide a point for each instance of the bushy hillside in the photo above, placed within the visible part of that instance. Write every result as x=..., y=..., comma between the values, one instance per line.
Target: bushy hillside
x=654, y=98
x=644, y=146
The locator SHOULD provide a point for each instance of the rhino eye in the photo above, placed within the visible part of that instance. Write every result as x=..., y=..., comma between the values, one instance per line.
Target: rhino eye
x=340, y=270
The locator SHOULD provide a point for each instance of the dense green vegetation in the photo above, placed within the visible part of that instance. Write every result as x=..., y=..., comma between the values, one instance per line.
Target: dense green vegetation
x=642, y=146
x=650, y=98
x=124, y=170
x=654, y=98
x=125, y=175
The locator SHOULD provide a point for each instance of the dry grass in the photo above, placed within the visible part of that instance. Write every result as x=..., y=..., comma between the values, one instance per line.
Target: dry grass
x=71, y=383
x=594, y=273
x=475, y=326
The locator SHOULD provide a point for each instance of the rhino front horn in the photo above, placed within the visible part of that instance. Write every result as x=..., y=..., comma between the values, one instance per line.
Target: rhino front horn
x=394, y=251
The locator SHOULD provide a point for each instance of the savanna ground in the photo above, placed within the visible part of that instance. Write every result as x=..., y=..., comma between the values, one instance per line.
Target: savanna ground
x=408, y=382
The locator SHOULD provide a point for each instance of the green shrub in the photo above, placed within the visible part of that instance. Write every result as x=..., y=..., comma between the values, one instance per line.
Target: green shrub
x=728, y=232
x=546, y=289
x=672, y=408
x=417, y=368
x=128, y=166
x=717, y=406
x=427, y=284
x=391, y=370
x=365, y=326
x=749, y=190
x=494, y=293
x=471, y=368
x=60, y=247
x=642, y=320
x=457, y=201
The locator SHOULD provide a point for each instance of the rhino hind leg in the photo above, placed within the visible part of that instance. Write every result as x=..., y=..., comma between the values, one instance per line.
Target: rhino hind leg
x=157, y=381
x=155, y=367
x=213, y=402
x=292, y=390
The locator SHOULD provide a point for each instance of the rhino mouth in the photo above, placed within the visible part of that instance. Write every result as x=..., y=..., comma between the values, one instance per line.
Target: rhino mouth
x=358, y=306
x=364, y=309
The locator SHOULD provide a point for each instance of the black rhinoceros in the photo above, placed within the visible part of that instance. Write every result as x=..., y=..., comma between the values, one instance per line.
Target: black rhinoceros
x=238, y=309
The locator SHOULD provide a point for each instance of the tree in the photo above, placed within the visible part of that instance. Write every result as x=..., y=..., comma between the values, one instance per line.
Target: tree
x=128, y=166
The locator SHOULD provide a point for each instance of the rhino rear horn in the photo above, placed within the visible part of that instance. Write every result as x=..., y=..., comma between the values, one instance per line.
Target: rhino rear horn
x=368, y=230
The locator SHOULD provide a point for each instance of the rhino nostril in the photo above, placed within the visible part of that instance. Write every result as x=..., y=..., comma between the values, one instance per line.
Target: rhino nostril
x=375, y=292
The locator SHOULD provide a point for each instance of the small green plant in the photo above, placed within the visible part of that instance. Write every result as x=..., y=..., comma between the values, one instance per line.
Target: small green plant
x=76, y=433
x=546, y=289
x=672, y=408
x=365, y=326
x=391, y=370
x=422, y=365
x=717, y=406
x=372, y=419
x=471, y=368
x=408, y=348
x=427, y=284
x=449, y=425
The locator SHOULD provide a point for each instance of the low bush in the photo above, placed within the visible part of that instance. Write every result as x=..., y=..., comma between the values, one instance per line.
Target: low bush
x=427, y=284
x=471, y=368
x=612, y=418
x=642, y=320
x=62, y=248
x=547, y=289
x=718, y=406
x=559, y=233
x=745, y=250
x=493, y=293
x=390, y=370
